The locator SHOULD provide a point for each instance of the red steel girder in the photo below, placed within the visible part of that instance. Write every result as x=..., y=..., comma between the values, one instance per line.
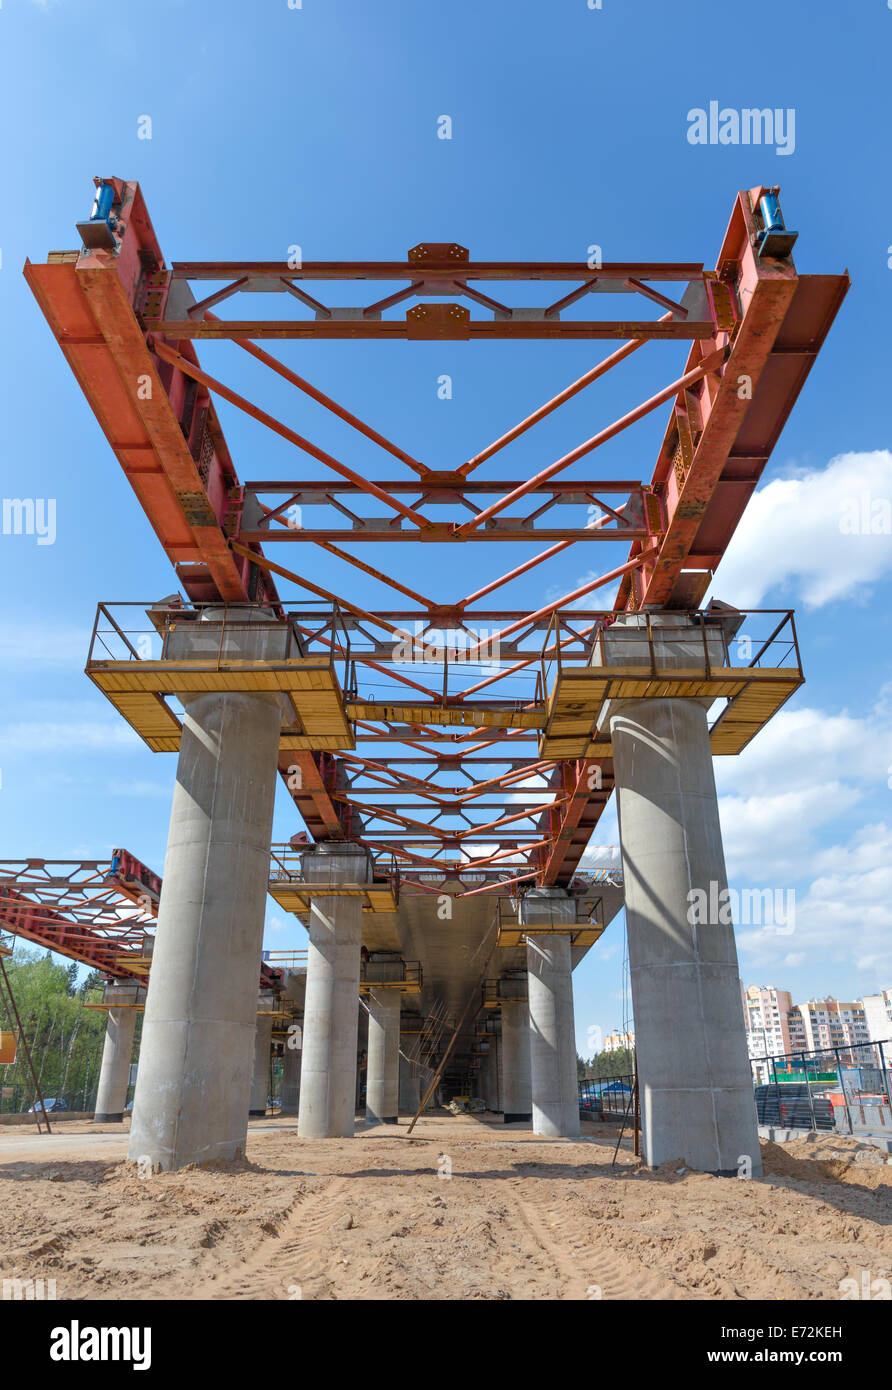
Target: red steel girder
x=96, y=912
x=751, y=319
x=720, y=435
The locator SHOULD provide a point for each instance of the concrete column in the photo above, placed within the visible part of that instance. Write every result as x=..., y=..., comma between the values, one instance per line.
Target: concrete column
x=197, y=1052
x=516, y=1089
x=382, y=1077
x=291, y=1065
x=410, y=1086
x=328, y=1070
x=694, y=1074
x=500, y=1091
x=114, y=1074
x=490, y=1078
x=555, y=1095
x=260, y=1081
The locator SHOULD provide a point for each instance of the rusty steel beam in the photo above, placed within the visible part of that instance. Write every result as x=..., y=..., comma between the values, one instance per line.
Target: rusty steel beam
x=126, y=323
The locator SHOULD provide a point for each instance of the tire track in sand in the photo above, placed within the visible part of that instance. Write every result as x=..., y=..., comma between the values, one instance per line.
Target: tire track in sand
x=293, y=1259
x=605, y=1271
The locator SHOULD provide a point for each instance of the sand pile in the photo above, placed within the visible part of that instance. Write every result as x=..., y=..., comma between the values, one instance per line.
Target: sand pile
x=518, y=1218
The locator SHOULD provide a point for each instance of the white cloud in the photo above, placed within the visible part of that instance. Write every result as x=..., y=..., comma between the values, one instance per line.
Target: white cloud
x=845, y=915
x=44, y=646
x=805, y=770
x=601, y=857
x=792, y=535
x=803, y=749
x=77, y=737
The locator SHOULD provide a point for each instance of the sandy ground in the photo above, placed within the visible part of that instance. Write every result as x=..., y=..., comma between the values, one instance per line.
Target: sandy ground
x=519, y=1218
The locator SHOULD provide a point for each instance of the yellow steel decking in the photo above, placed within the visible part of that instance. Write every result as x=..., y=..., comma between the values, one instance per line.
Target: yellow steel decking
x=511, y=934
x=474, y=716
x=579, y=693
x=137, y=690
x=296, y=896
x=324, y=721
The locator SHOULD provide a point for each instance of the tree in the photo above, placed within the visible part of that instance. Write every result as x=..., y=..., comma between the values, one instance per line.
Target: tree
x=65, y=1038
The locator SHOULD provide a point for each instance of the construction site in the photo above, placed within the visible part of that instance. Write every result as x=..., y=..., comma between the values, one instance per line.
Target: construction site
x=377, y=741
x=430, y=1020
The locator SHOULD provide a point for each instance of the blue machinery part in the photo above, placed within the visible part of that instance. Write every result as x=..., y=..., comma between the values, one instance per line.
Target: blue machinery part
x=775, y=239
x=98, y=233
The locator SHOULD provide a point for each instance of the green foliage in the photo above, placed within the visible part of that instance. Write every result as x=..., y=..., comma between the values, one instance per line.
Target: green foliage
x=65, y=1039
x=606, y=1064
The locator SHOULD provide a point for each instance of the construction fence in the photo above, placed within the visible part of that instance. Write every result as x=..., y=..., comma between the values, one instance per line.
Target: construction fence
x=845, y=1090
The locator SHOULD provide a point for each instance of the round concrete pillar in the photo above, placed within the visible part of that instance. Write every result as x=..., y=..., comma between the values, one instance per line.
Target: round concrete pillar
x=555, y=1093
x=197, y=1052
x=260, y=1081
x=114, y=1074
x=382, y=1074
x=291, y=1064
x=516, y=1087
x=328, y=1070
x=694, y=1073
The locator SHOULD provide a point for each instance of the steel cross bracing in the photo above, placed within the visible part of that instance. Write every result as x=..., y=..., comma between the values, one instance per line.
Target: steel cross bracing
x=99, y=912
x=445, y=764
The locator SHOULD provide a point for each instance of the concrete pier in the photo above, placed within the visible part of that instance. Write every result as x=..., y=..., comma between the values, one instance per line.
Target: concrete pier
x=555, y=1093
x=114, y=1073
x=694, y=1074
x=328, y=1070
x=291, y=1067
x=410, y=1084
x=382, y=1076
x=262, y=1042
x=515, y=1055
x=489, y=1077
x=197, y=1052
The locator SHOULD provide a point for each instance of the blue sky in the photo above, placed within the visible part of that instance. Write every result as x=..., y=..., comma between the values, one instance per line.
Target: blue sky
x=273, y=126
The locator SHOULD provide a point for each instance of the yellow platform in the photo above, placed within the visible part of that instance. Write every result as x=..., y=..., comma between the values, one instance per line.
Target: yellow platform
x=295, y=896
x=577, y=698
x=409, y=984
x=105, y=1008
x=138, y=689
x=512, y=934
x=464, y=715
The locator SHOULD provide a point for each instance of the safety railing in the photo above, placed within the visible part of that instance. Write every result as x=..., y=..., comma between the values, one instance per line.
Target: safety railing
x=845, y=1089
x=707, y=640
x=397, y=972
x=220, y=633
x=287, y=866
x=285, y=960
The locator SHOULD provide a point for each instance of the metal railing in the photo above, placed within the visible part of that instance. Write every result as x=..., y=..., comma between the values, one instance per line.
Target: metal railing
x=846, y=1089
x=395, y=972
x=286, y=866
x=285, y=960
x=312, y=630
x=703, y=639
x=607, y=1095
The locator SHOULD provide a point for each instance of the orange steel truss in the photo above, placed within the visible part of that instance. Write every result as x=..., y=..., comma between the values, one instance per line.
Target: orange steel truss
x=99, y=912
x=446, y=764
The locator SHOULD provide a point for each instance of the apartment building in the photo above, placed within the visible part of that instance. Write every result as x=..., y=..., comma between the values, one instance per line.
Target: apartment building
x=828, y=1023
x=878, y=1012
x=767, y=1012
